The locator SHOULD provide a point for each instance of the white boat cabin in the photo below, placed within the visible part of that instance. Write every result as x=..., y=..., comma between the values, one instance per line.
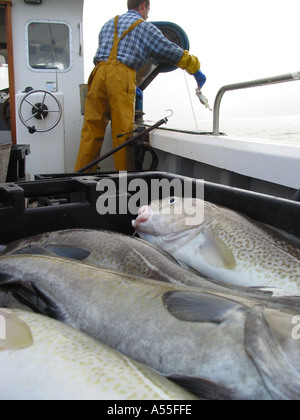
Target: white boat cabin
x=42, y=49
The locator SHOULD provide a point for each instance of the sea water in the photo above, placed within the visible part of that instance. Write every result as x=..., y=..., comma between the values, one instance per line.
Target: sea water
x=286, y=129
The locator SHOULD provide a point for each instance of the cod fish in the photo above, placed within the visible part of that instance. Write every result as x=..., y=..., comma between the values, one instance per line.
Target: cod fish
x=105, y=249
x=124, y=254
x=43, y=359
x=215, y=347
x=225, y=246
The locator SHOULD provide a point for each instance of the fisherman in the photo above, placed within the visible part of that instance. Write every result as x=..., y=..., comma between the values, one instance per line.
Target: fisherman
x=125, y=44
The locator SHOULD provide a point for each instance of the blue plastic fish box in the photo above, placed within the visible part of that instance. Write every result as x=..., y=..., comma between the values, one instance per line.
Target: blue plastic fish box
x=59, y=201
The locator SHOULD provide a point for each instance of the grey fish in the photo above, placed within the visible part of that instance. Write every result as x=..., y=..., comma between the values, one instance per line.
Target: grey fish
x=224, y=245
x=104, y=249
x=217, y=347
x=43, y=359
x=133, y=256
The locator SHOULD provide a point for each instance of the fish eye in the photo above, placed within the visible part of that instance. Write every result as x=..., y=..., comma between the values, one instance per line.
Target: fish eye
x=172, y=200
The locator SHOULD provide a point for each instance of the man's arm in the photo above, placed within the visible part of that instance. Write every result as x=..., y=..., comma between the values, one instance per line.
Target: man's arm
x=166, y=51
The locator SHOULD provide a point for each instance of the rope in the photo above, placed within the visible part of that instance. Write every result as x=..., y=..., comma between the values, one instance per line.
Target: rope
x=191, y=102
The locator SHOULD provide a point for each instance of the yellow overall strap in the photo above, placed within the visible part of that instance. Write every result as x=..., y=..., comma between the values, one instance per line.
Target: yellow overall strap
x=131, y=28
x=114, y=50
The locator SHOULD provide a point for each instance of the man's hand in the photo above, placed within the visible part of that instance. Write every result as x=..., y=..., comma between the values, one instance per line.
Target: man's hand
x=200, y=78
x=139, y=93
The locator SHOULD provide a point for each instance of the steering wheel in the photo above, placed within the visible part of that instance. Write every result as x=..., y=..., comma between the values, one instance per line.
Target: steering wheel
x=42, y=108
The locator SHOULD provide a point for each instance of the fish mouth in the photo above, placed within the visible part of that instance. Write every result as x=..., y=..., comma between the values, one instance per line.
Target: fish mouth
x=144, y=214
x=140, y=220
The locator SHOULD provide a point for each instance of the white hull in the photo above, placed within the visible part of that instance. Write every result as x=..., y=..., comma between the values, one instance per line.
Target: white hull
x=254, y=164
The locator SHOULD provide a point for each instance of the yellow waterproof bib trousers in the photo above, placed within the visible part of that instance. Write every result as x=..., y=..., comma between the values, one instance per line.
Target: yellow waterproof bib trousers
x=111, y=94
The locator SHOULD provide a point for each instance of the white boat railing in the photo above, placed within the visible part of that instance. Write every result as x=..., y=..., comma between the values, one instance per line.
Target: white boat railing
x=290, y=77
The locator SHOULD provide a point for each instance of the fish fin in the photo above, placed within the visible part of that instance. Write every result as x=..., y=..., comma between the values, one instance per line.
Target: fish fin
x=215, y=252
x=69, y=251
x=63, y=251
x=202, y=387
x=9, y=301
x=198, y=307
x=12, y=283
x=48, y=306
x=269, y=342
x=29, y=294
x=34, y=250
x=15, y=334
x=29, y=298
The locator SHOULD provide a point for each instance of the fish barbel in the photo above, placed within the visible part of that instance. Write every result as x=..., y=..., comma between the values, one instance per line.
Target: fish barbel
x=126, y=255
x=43, y=359
x=224, y=245
x=218, y=347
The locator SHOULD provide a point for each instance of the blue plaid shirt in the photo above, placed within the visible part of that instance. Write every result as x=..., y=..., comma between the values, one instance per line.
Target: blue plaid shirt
x=135, y=48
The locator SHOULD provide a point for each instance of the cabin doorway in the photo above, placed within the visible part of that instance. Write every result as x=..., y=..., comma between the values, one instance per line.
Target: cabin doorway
x=7, y=85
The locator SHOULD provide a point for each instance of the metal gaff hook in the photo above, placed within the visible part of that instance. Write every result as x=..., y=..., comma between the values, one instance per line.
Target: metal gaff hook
x=172, y=113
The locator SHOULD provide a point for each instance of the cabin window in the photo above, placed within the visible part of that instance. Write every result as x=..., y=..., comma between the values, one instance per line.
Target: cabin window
x=48, y=46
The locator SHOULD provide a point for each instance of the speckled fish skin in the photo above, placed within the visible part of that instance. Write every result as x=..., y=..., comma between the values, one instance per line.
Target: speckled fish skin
x=262, y=257
x=65, y=364
x=176, y=330
x=133, y=256
x=108, y=250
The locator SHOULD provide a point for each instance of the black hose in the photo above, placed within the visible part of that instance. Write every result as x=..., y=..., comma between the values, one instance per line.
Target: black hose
x=140, y=155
